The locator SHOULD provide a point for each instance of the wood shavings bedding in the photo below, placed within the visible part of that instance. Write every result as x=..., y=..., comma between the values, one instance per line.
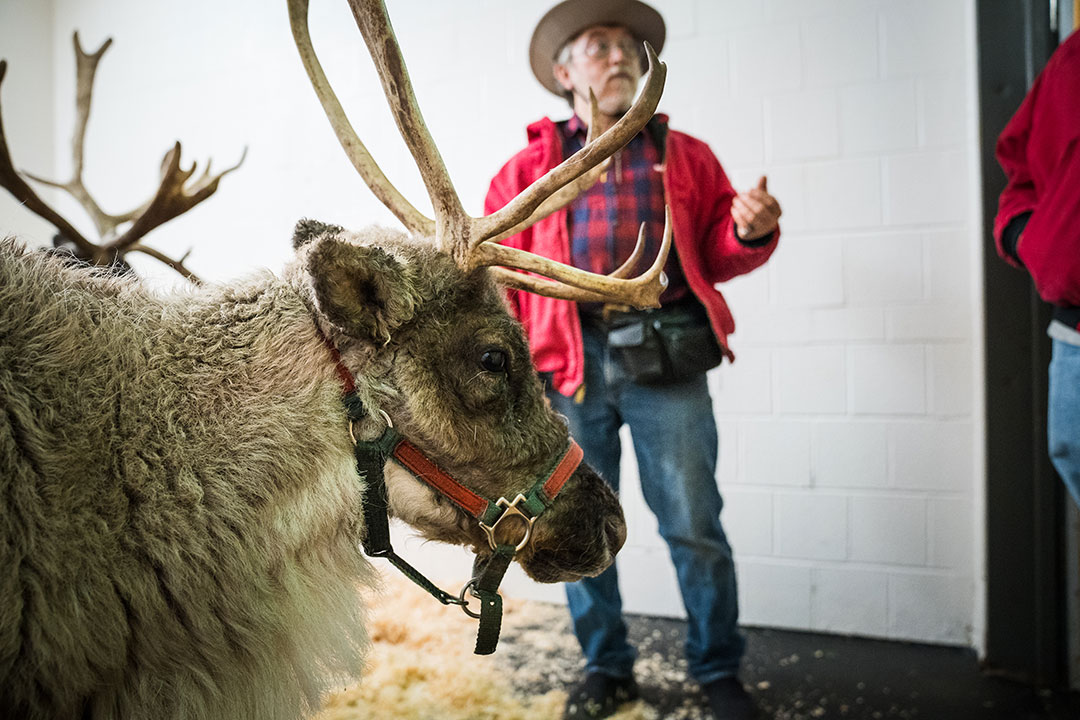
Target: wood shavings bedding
x=422, y=665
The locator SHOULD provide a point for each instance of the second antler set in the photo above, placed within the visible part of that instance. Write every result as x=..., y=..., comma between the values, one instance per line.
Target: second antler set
x=120, y=234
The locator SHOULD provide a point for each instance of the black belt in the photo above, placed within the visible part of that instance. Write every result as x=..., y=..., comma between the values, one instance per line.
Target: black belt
x=608, y=315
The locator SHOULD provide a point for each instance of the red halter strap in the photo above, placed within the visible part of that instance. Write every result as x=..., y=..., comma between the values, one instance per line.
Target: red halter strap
x=534, y=501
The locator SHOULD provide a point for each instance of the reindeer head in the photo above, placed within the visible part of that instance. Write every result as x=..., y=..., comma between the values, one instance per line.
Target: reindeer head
x=421, y=322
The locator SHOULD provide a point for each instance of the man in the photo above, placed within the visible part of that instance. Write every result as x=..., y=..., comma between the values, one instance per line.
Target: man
x=1038, y=228
x=609, y=366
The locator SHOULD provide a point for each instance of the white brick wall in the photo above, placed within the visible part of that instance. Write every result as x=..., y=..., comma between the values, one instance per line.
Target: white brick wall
x=26, y=33
x=850, y=422
x=852, y=502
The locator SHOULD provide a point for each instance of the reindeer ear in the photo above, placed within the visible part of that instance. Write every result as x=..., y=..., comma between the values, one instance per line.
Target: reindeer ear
x=362, y=290
x=307, y=230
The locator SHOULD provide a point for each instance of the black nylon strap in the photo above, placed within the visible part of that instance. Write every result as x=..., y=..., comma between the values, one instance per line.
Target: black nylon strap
x=371, y=458
x=369, y=463
x=487, y=590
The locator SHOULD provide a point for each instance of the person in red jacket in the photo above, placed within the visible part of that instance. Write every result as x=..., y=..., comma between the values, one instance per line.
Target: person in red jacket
x=612, y=366
x=1038, y=228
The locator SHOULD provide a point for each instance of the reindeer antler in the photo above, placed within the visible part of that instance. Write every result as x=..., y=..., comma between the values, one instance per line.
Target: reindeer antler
x=170, y=199
x=10, y=181
x=474, y=242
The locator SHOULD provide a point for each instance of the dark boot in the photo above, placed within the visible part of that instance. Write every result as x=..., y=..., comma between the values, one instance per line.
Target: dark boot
x=599, y=696
x=729, y=700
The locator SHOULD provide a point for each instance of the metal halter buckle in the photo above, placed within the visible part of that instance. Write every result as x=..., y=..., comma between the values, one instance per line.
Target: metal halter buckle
x=510, y=509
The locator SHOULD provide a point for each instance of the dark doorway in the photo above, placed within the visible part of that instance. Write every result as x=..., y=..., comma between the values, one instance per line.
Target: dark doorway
x=1025, y=507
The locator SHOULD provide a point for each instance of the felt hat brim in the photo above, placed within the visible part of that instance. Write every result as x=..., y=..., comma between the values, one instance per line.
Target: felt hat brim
x=567, y=19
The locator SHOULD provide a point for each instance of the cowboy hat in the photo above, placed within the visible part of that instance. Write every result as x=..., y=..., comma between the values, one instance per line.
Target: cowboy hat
x=566, y=20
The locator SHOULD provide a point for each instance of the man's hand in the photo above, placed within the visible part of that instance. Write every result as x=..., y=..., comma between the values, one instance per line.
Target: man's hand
x=756, y=212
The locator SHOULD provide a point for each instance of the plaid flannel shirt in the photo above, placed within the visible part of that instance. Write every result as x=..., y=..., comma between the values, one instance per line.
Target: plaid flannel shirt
x=604, y=220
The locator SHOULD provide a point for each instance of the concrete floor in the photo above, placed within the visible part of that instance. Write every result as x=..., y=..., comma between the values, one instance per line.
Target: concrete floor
x=793, y=675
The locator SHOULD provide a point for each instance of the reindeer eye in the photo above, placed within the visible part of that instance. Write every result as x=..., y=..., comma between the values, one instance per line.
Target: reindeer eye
x=494, y=361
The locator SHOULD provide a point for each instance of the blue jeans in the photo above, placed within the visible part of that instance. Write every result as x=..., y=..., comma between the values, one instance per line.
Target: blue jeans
x=675, y=440
x=1063, y=417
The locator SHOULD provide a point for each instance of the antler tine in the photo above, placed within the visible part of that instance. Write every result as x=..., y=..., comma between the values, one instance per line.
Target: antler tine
x=205, y=180
x=542, y=286
x=85, y=70
x=13, y=183
x=355, y=150
x=171, y=199
x=451, y=222
x=569, y=192
x=574, y=284
x=522, y=206
x=627, y=267
x=177, y=265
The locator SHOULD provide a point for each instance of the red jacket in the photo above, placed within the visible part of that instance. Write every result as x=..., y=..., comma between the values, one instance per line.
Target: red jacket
x=699, y=195
x=1040, y=153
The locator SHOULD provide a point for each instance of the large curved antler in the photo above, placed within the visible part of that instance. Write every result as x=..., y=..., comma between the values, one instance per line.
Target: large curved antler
x=474, y=242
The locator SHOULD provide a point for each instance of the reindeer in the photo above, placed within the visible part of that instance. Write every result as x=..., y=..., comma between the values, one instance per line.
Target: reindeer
x=180, y=502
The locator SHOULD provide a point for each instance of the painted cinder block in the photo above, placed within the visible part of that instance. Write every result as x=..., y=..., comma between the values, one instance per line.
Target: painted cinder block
x=748, y=522
x=950, y=533
x=888, y=529
x=839, y=49
x=760, y=73
x=931, y=607
x=776, y=595
x=923, y=36
x=811, y=380
x=810, y=273
x=878, y=117
x=952, y=384
x=854, y=601
x=932, y=456
x=846, y=323
x=774, y=452
x=802, y=126
x=883, y=269
x=850, y=454
x=888, y=379
x=926, y=187
x=744, y=387
x=844, y=194
x=812, y=525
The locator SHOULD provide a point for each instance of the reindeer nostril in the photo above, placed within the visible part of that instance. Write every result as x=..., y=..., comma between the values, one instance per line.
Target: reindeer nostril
x=616, y=535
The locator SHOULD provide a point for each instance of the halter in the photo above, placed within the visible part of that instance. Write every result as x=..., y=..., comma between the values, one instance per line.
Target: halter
x=371, y=457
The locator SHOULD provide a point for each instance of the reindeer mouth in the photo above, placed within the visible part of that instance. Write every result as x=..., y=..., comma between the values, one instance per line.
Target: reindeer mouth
x=553, y=565
x=582, y=543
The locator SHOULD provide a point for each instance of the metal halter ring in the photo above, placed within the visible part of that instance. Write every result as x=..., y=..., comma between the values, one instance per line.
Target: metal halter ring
x=465, y=603
x=510, y=509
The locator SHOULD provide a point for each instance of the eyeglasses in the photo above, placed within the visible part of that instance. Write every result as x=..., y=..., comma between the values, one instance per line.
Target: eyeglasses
x=600, y=48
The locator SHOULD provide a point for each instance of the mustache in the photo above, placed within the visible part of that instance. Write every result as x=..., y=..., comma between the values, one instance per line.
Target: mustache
x=623, y=71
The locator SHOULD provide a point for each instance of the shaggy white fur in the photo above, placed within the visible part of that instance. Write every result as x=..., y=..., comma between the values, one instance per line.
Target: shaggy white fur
x=179, y=509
